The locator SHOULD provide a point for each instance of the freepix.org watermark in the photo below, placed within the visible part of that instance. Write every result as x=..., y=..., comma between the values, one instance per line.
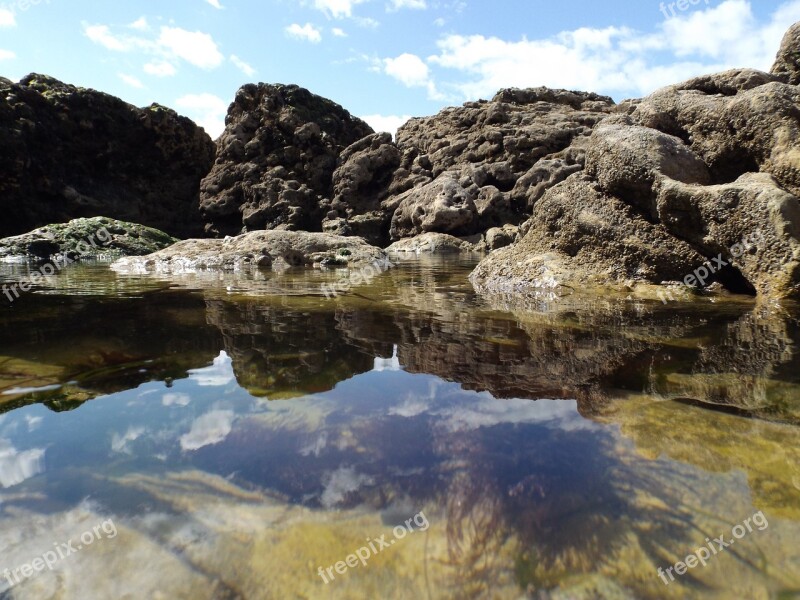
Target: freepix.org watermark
x=714, y=547
x=22, y=5
x=354, y=278
x=703, y=273
x=373, y=547
x=60, y=552
x=681, y=5
x=57, y=264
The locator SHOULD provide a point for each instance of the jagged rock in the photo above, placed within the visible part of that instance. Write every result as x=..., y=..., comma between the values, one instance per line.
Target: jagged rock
x=261, y=249
x=581, y=238
x=444, y=205
x=467, y=162
x=787, y=63
x=735, y=125
x=86, y=238
x=432, y=243
x=360, y=184
x=68, y=152
x=697, y=183
x=275, y=160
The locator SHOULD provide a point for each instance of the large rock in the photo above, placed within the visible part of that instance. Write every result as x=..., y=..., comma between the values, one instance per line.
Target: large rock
x=466, y=170
x=86, y=238
x=275, y=160
x=277, y=250
x=581, y=239
x=697, y=183
x=68, y=152
x=787, y=63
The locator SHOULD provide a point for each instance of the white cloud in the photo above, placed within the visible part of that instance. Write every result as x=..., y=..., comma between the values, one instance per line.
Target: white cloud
x=338, y=32
x=209, y=429
x=172, y=45
x=340, y=483
x=337, y=9
x=305, y=32
x=243, y=66
x=195, y=47
x=409, y=69
x=220, y=373
x=7, y=54
x=131, y=81
x=173, y=399
x=101, y=34
x=390, y=123
x=140, y=24
x=17, y=466
x=7, y=18
x=215, y=4
x=413, y=4
x=160, y=68
x=119, y=443
x=613, y=60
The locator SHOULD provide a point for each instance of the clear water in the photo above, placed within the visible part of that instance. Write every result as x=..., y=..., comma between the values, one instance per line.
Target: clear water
x=236, y=435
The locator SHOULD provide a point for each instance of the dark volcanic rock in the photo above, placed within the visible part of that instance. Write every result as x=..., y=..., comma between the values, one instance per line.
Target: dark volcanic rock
x=275, y=160
x=467, y=169
x=68, y=152
x=698, y=183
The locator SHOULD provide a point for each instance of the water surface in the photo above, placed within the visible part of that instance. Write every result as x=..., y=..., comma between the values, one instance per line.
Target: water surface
x=241, y=431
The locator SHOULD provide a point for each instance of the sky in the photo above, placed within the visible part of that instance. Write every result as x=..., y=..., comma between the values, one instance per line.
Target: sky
x=383, y=60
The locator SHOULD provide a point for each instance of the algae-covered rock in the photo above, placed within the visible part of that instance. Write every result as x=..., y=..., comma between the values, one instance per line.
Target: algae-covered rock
x=94, y=237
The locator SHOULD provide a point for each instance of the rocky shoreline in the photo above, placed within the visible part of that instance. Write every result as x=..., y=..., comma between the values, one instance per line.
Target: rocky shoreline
x=563, y=190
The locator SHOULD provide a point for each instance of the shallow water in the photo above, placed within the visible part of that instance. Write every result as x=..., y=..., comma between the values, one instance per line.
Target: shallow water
x=226, y=435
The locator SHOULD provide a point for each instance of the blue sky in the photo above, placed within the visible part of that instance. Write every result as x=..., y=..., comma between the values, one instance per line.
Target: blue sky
x=382, y=59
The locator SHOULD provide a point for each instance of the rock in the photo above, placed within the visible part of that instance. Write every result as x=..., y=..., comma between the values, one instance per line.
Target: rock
x=275, y=160
x=360, y=184
x=86, y=238
x=749, y=129
x=443, y=206
x=697, y=183
x=751, y=224
x=499, y=156
x=626, y=161
x=787, y=63
x=582, y=239
x=68, y=152
x=500, y=237
x=432, y=243
x=259, y=249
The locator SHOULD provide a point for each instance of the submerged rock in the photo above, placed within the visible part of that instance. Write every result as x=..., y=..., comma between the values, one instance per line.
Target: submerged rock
x=86, y=238
x=432, y=243
x=262, y=249
x=698, y=183
x=68, y=152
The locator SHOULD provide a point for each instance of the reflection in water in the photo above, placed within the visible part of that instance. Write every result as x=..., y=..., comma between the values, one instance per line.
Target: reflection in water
x=241, y=438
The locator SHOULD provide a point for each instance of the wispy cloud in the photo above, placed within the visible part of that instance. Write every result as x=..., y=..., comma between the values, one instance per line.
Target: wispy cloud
x=243, y=66
x=7, y=18
x=413, y=4
x=215, y=4
x=7, y=55
x=131, y=81
x=305, y=32
x=337, y=9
